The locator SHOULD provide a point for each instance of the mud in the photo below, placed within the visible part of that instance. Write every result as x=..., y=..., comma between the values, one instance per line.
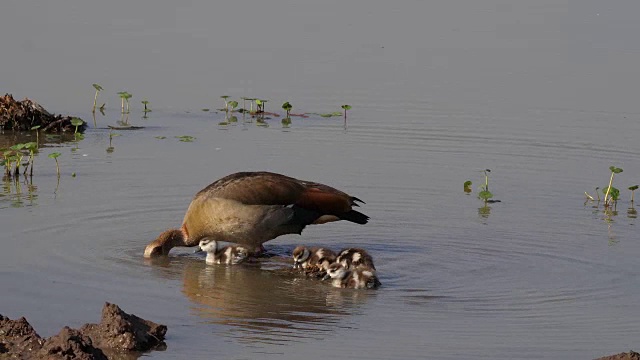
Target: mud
x=118, y=335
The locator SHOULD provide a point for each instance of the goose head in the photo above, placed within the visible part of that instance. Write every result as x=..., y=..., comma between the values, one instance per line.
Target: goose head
x=164, y=243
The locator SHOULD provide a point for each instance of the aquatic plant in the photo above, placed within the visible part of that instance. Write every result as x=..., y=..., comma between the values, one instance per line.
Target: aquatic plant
x=261, y=103
x=121, y=94
x=484, y=193
x=9, y=158
x=614, y=170
x=145, y=102
x=124, y=97
x=467, y=186
x=250, y=103
x=206, y=109
x=232, y=105
x=226, y=103
x=77, y=122
x=36, y=128
x=185, y=138
x=54, y=156
x=32, y=147
x=160, y=137
x=287, y=107
x=102, y=108
x=633, y=189
x=127, y=96
x=111, y=136
x=18, y=155
x=345, y=108
x=95, y=98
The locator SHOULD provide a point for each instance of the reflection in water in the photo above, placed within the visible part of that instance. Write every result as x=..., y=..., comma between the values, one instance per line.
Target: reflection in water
x=262, y=302
x=13, y=192
x=484, y=211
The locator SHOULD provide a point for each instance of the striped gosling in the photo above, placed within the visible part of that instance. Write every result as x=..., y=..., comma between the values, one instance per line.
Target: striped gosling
x=352, y=279
x=355, y=258
x=229, y=255
x=314, y=261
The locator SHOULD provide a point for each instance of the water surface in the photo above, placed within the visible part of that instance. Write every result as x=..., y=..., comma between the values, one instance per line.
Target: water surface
x=542, y=94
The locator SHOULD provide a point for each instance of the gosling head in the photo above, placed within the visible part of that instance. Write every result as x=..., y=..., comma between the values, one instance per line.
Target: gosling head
x=335, y=271
x=300, y=255
x=206, y=245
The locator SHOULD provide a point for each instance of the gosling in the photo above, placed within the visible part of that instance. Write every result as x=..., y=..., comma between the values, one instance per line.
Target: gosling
x=355, y=258
x=351, y=279
x=314, y=261
x=229, y=255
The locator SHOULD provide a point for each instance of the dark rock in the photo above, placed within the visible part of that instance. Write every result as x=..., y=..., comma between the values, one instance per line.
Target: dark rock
x=631, y=355
x=120, y=335
x=18, y=339
x=122, y=331
x=70, y=344
x=25, y=114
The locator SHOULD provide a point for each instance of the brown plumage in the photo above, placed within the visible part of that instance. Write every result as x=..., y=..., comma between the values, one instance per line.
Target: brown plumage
x=353, y=258
x=314, y=261
x=250, y=208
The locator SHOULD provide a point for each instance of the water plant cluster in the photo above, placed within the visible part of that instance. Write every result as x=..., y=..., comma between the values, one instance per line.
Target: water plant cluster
x=610, y=192
x=258, y=112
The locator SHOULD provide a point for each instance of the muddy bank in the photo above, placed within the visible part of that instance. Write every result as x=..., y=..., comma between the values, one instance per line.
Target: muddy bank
x=118, y=335
x=25, y=114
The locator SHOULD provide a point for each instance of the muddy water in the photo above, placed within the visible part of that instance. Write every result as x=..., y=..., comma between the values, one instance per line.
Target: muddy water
x=541, y=94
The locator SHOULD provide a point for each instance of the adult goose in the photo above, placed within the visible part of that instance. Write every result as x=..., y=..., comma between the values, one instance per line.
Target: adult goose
x=250, y=208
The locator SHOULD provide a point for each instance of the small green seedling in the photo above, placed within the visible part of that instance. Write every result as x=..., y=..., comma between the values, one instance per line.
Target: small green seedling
x=206, y=109
x=160, y=137
x=102, y=108
x=484, y=193
x=467, y=186
x=232, y=105
x=127, y=96
x=32, y=147
x=145, y=102
x=54, y=156
x=76, y=122
x=37, y=133
x=17, y=148
x=122, y=95
x=633, y=188
x=287, y=107
x=346, y=107
x=614, y=170
x=226, y=103
x=261, y=105
x=95, y=98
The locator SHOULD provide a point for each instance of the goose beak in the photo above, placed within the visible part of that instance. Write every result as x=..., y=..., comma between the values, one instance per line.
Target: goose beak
x=326, y=277
x=198, y=250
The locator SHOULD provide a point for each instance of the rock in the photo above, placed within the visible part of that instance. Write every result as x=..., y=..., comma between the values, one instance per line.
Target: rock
x=25, y=114
x=631, y=355
x=122, y=331
x=119, y=334
x=70, y=344
x=18, y=339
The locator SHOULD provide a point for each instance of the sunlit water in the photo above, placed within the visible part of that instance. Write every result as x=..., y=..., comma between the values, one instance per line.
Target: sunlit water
x=439, y=92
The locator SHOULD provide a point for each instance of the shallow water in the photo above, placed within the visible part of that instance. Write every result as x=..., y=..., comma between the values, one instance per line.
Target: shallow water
x=542, y=95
